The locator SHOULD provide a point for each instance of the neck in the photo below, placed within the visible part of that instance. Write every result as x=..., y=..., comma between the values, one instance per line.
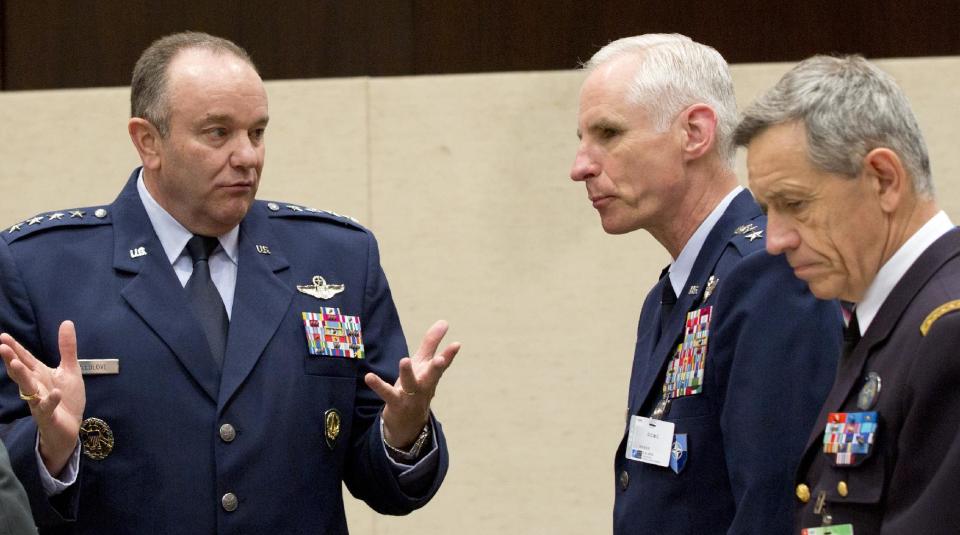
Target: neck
x=905, y=223
x=704, y=193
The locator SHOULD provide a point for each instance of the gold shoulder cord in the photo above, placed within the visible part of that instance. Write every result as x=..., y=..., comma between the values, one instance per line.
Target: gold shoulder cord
x=937, y=312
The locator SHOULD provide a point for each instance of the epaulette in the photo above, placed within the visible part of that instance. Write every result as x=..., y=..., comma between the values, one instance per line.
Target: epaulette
x=278, y=209
x=96, y=215
x=945, y=308
x=748, y=236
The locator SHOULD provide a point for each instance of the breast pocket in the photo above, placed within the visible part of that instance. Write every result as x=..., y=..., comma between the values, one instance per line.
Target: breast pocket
x=331, y=366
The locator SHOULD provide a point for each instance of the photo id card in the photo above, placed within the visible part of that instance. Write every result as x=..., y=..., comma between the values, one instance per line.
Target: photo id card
x=650, y=440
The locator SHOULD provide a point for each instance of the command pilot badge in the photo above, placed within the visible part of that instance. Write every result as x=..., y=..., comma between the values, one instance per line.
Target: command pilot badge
x=320, y=289
x=332, y=334
x=331, y=420
x=96, y=439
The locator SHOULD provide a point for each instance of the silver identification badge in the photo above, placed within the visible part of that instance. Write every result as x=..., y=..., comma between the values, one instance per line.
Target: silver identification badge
x=99, y=366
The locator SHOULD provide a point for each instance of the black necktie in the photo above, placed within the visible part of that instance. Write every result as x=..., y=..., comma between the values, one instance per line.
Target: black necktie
x=851, y=334
x=667, y=299
x=204, y=297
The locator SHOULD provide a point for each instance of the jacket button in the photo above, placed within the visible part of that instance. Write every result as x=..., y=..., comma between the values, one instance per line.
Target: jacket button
x=624, y=480
x=842, y=489
x=229, y=502
x=227, y=433
x=803, y=493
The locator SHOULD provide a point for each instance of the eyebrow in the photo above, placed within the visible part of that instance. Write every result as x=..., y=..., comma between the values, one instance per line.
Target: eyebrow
x=223, y=118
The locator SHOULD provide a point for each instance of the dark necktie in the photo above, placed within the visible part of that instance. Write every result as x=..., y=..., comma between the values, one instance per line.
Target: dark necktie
x=667, y=299
x=204, y=297
x=851, y=334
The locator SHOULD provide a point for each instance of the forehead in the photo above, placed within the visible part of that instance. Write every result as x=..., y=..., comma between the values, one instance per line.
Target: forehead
x=197, y=75
x=778, y=152
x=605, y=94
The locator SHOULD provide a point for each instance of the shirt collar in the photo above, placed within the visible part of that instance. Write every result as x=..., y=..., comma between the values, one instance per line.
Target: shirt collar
x=683, y=265
x=174, y=236
x=893, y=270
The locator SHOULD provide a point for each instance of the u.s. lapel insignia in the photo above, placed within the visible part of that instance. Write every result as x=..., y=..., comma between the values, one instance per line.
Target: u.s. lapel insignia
x=678, y=453
x=96, y=439
x=693, y=289
x=331, y=421
x=320, y=289
x=138, y=252
x=711, y=286
x=263, y=249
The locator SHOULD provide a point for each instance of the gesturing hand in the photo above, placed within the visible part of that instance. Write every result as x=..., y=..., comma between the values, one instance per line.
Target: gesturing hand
x=56, y=396
x=408, y=400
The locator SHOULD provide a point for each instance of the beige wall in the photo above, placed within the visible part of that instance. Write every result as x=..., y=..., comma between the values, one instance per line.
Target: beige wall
x=464, y=180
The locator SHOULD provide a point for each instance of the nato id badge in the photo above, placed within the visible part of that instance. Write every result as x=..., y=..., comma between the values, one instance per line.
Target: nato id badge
x=650, y=441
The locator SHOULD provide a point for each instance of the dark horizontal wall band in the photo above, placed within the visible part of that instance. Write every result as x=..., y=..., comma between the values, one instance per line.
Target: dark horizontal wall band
x=82, y=43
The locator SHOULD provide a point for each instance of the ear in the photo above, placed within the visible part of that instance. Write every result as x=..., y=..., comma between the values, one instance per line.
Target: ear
x=888, y=177
x=146, y=138
x=699, y=124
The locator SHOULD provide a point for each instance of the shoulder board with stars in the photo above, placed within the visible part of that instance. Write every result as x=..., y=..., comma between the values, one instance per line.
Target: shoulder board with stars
x=748, y=236
x=97, y=215
x=279, y=209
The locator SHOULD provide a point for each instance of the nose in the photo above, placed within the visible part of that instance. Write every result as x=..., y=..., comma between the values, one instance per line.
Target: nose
x=781, y=235
x=246, y=153
x=584, y=166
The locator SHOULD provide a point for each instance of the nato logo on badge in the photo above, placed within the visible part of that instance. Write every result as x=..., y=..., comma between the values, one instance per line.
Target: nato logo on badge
x=678, y=453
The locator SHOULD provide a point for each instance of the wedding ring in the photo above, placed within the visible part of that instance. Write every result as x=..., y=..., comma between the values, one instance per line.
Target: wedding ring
x=31, y=397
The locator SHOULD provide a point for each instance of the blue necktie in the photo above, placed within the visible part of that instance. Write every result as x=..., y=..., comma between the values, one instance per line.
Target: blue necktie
x=204, y=297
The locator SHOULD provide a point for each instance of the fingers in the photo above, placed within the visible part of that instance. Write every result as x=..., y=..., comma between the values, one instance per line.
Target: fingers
x=19, y=372
x=381, y=388
x=408, y=381
x=428, y=346
x=19, y=351
x=68, y=346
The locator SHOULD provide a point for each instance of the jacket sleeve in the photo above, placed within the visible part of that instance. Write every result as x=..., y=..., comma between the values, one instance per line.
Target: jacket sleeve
x=17, y=428
x=781, y=345
x=371, y=475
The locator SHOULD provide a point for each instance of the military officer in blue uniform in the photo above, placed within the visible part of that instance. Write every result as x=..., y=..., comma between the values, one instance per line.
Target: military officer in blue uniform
x=733, y=356
x=226, y=363
x=836, y=154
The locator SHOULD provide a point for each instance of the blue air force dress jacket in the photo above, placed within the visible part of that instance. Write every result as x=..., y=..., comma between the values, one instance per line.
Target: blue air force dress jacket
x=771, y=351
x=302, y=424
x=906, y=370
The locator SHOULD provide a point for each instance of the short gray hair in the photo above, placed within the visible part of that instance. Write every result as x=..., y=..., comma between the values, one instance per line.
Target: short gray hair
x=848, y=107
x=674, y=72
x=148, y=89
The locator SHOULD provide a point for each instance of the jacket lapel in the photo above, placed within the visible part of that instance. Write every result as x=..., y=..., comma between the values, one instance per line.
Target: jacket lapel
x=850, y=369
x=742, y=208
x=154, y=291
x=261, y=302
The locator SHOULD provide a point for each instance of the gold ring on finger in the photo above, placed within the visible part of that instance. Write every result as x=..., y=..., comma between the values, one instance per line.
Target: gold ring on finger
x=407, y=392
x=31, y=397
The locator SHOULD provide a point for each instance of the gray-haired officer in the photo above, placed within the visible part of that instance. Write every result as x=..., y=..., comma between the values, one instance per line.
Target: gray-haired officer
x=837, y=158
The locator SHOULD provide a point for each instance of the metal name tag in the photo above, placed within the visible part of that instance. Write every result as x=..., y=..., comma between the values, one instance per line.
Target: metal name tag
x=99, y=366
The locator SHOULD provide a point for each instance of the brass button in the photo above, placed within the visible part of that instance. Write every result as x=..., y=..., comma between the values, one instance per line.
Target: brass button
x=227, y=433
x=803, y=493
x=842, y=489
x=229, y=502
x=624, y=480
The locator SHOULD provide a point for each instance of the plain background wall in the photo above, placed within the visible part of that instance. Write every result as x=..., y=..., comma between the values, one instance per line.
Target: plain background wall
x=464, y=179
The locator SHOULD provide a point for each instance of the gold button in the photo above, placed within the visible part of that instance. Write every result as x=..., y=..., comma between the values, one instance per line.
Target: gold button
x=624, y=480
x=803, y=493
x=842, y=489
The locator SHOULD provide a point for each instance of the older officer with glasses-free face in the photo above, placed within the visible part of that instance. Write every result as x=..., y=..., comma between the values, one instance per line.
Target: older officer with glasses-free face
x=836, y=156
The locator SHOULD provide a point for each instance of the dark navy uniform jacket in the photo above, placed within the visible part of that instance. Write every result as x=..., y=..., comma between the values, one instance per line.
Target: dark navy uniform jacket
x=909, y=482
x=169, y=466
x=771, y=355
